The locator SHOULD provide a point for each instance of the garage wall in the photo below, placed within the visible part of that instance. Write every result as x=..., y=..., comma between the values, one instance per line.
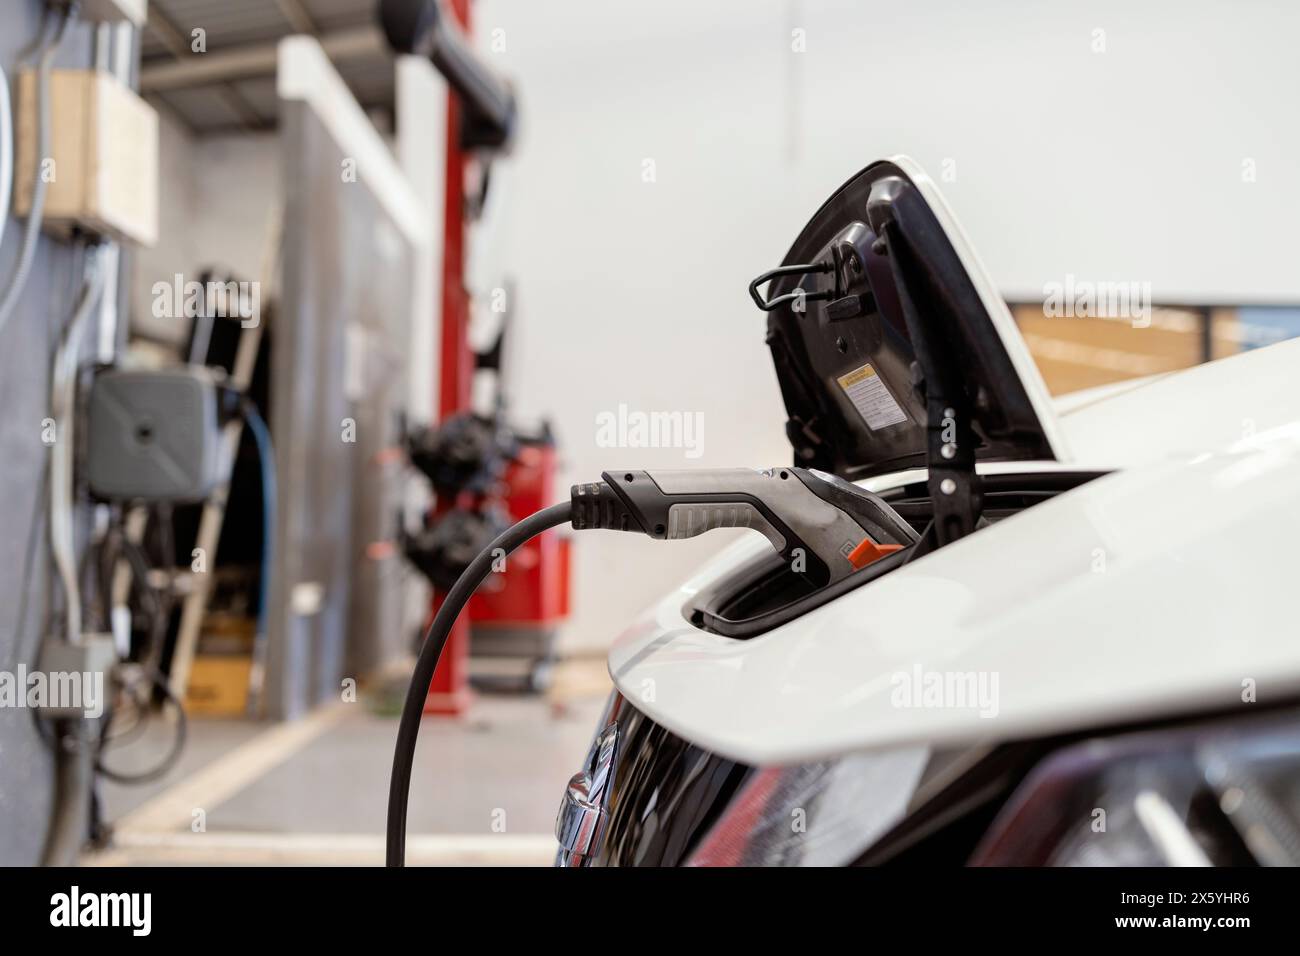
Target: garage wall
x=29, y=340
x=216, y=200
x=1120, y=164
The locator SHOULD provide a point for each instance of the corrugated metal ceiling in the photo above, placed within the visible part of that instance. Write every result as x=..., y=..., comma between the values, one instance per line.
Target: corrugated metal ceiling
x=233, y=26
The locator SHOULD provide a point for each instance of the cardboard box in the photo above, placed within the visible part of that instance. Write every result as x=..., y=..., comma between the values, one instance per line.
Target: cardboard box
x=218, y=685
x=103, y=162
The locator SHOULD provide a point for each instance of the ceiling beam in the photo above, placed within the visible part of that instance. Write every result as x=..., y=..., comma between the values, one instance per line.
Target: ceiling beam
x=177, y=45
x=251, y=62
x=166, y=32
x=297, y=15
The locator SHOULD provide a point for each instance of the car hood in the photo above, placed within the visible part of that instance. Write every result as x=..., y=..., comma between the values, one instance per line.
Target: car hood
x=1160, y=589
x=885, y=303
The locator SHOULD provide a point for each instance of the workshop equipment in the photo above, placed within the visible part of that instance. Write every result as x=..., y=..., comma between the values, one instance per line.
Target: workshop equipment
x=474, y=461
x=514, y=623
x=495, y=476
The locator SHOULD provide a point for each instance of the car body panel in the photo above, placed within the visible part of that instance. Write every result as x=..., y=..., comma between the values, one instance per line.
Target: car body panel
x=1165, y=587
x=1204, y=408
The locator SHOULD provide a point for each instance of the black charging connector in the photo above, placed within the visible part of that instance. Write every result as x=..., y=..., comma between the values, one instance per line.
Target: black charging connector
x=597, y=505
x=826, y=528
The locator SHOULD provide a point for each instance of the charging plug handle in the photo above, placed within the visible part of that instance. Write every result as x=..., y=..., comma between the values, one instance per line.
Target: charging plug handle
x=825, y=527
x=818, y=523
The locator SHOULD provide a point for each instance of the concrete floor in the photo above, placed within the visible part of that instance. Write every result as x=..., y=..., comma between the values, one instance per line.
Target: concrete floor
x=485, y=788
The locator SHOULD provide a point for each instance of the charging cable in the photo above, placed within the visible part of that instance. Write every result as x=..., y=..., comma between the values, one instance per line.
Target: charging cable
x=408, y=728
x=824, y=527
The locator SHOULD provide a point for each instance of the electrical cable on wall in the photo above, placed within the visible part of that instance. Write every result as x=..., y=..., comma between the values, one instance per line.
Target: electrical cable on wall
x=37, y=529
x=75, y=742
x=117, y=545
x=62, y=409
x=27, y=252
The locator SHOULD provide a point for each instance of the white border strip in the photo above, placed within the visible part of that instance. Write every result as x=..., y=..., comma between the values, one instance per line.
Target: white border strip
x=304, y=73
x=234, y=848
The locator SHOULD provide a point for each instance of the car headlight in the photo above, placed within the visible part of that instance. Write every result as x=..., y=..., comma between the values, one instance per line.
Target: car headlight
x=1218, y=794
x=644, y=796
x=822, y=814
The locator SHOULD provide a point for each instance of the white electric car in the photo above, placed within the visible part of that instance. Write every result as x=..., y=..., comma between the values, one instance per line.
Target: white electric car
x=1090, y=656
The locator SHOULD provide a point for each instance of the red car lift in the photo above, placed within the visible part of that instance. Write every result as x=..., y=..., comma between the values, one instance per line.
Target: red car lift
x=449, y=691
x=533, y=591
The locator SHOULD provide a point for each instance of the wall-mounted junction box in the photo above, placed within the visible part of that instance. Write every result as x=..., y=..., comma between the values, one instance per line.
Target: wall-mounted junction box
x=103, y=164
x=102, y=11
x=82, y=671
x=154, y=435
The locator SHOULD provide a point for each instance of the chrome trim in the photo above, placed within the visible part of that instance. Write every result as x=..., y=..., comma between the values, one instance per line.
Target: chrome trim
x=581, y=820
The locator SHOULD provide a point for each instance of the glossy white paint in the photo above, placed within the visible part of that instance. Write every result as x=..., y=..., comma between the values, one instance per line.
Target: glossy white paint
x=1155, y=590
x=1204, y=408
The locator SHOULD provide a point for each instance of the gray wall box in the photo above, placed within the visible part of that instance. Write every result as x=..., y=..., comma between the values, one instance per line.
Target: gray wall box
x=154, y=435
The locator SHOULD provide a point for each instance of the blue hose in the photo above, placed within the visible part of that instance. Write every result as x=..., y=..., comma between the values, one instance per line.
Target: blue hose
x=266, y=456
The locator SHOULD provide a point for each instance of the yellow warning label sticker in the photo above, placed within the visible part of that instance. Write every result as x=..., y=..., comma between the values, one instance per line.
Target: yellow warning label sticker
x=871, y=398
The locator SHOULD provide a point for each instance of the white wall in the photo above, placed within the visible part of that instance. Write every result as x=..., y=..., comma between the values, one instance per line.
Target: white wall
x=175, y=249
x=217, y=198
x=237, y=196
x=1123, y=164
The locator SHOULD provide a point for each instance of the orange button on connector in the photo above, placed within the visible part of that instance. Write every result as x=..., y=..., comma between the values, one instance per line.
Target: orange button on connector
x=868, y=551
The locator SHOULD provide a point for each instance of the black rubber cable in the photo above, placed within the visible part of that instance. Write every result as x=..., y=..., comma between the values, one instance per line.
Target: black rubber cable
x=173, y=755
x=408, y=728
x=140, y=573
